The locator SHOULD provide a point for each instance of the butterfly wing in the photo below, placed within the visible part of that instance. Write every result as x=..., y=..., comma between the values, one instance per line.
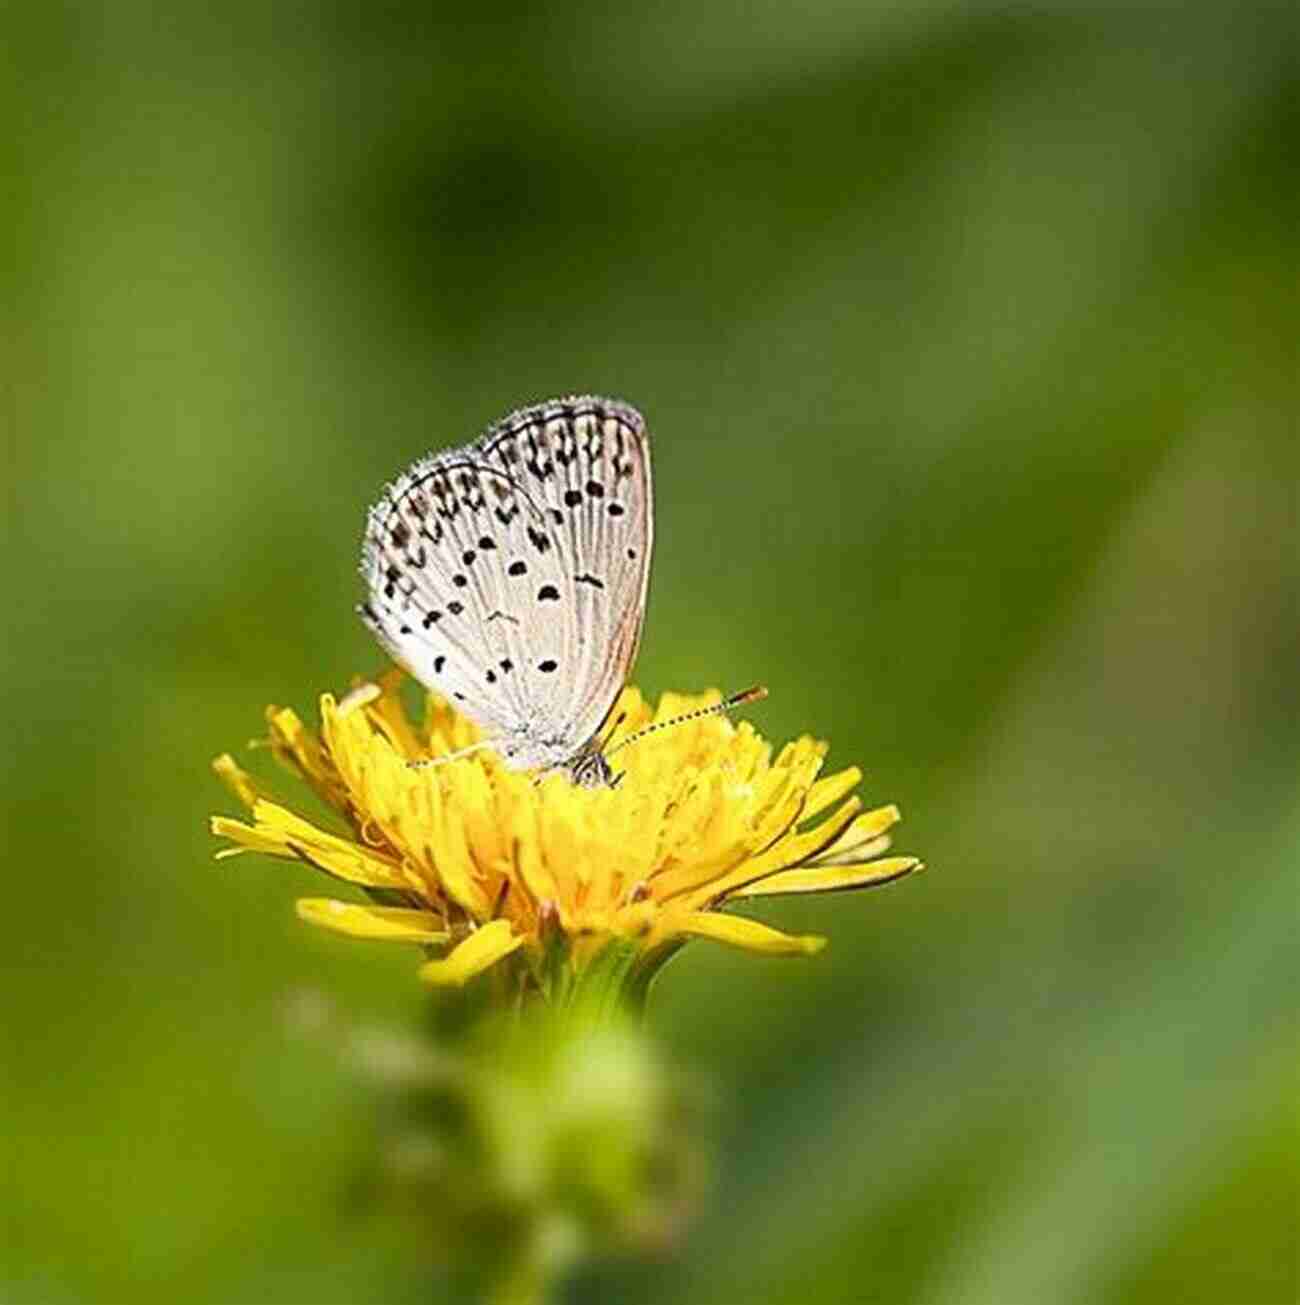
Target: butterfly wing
x=586, y=462
x=453, y=554
x=511, y=575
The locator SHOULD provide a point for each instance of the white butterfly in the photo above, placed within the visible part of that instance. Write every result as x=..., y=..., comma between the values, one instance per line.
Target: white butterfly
x=510, y=576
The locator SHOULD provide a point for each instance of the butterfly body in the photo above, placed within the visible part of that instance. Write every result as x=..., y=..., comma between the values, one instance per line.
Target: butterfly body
x=510, y=576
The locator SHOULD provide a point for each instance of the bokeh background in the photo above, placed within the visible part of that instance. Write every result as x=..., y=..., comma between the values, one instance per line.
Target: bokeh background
x=967, y=338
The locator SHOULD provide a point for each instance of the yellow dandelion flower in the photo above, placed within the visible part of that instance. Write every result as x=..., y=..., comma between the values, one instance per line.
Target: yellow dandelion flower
x=480, y=863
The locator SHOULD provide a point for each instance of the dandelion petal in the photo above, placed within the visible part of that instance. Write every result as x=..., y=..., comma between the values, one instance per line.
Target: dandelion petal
x=832, y=879
x=478, y=952
x=382, y=923
x=749, y=935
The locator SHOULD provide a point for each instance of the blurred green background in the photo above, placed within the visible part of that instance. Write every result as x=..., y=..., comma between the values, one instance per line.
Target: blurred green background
x=967, y=340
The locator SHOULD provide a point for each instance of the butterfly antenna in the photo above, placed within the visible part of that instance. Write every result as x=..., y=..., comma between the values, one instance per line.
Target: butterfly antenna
x=609, y=733
x=755, y=693
x=425, y=762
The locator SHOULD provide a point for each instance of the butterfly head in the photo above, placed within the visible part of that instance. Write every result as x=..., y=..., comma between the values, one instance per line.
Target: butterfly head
x=589, y=769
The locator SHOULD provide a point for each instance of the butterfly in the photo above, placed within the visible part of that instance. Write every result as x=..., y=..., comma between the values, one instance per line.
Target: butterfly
x=510, y=576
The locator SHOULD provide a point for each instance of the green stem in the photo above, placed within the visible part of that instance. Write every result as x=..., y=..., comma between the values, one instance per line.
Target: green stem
x=602, y=990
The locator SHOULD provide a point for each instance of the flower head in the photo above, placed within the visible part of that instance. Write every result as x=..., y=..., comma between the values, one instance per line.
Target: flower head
x=482, y=863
